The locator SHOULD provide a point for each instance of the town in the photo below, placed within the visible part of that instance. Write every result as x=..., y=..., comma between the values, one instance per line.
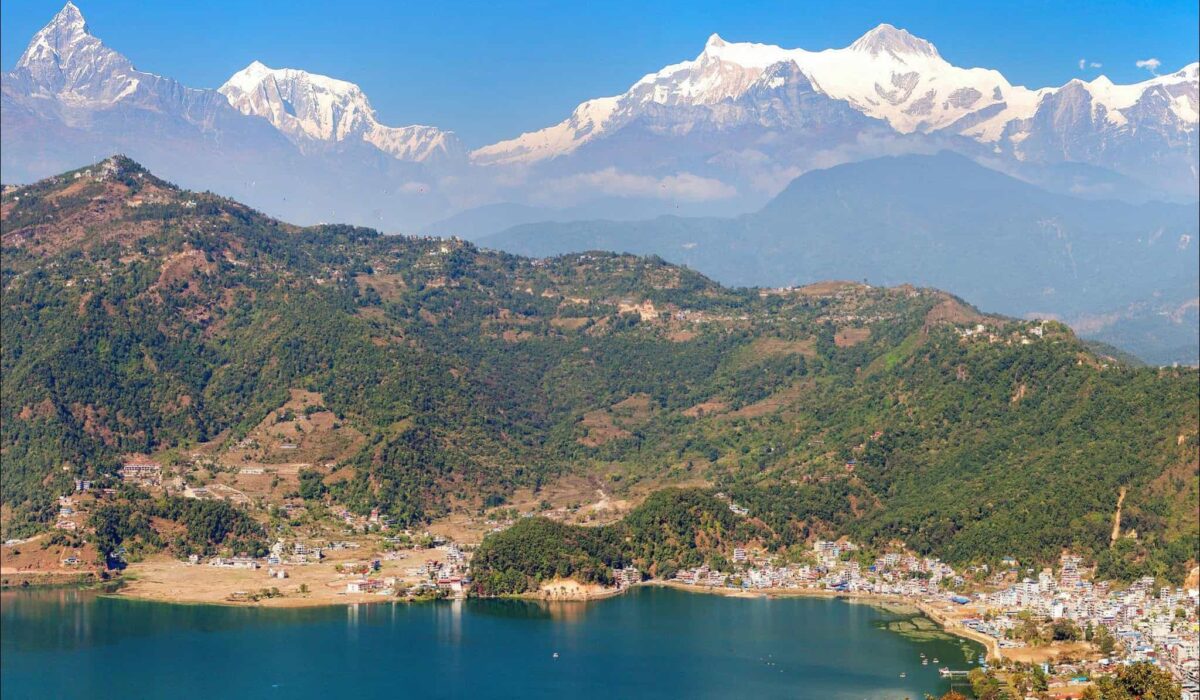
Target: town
x=1141, y=622
x=1074, y=627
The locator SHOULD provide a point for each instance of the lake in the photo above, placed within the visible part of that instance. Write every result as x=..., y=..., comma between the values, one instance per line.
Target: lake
x=651, y=642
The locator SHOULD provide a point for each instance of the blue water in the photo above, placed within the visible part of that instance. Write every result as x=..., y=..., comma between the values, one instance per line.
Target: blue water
x=650, y=643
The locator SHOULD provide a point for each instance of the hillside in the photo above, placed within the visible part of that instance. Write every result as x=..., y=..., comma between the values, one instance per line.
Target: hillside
x=424, y=377
x=1120, y=273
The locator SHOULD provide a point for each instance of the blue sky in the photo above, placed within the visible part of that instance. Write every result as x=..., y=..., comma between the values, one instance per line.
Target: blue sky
x=491, y=70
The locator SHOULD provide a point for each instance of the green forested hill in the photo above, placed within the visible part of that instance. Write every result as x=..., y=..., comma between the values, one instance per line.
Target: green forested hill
x=137, y=316
x=673, y=529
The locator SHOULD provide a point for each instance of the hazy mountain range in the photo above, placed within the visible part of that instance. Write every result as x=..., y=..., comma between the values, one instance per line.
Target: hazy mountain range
x=716, y=136
x=723, y=132
x=1119, y=272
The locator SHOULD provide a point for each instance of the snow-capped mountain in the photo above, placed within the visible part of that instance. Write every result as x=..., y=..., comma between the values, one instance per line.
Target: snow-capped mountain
x=900, y=80
x=71, y=100
x=308, y=107
x=721, y=133
x=70, y=73
x=718, y=135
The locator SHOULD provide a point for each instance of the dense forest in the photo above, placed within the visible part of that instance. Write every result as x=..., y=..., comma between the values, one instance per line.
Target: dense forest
x=138, y=317
x=673, y=529
x=124, y=530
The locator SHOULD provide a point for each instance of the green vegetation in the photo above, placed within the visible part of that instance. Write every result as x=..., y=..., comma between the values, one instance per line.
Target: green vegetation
x=207, y=526
x=536, y=550
x=672, y=529
x=843, y=409
x=1140, y=681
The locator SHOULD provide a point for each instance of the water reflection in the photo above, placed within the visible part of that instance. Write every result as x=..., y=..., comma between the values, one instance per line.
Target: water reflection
x=510, y=609
x=449, y=621
x=56, y=620
x=651, y=642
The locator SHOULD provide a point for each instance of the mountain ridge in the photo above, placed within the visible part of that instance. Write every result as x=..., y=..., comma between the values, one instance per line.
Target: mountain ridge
x=726, y=129
x=422, y=378
x=306, y=105
x=943, y=221
x=889, y=75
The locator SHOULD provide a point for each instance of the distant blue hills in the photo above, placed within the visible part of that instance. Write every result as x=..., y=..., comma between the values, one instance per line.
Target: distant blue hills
x=1122, y=273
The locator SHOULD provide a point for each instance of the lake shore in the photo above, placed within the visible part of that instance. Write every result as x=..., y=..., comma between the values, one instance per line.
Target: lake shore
x=470, y=648
x=569, y=590
x=167, y=580
x=892, y=603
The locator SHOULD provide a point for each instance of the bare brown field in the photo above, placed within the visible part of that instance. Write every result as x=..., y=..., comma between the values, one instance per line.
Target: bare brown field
x=706, y=408
x=166, y=579
x=773, y=403
x=849, y=337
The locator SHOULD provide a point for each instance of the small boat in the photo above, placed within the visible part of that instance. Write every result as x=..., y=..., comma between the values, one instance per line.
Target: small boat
x=556, y=654
x=903, y=674
x=935, y=660
x=924, y=662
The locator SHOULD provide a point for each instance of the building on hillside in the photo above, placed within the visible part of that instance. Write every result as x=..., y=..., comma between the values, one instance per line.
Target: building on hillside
x=234, y=563
x=363, y=585
x=627, y=576
x=141, y=473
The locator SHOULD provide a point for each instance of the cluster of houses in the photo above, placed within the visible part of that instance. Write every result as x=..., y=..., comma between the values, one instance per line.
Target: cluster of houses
x=1155, y=624
x=626, y=576
x=449, y=575
x=829, y=568
x=142, y=473
x=1023, y=335
x=68, y=515
x=702, y=576
x=375, y=519
x=301, y=554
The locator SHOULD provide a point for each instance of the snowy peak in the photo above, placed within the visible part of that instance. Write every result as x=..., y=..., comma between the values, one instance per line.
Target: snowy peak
x=300, y=103
x=887, y=74
x=65, y=31
x=311, y=107
x=898, y=42
x=587, y=122
x=64, y=61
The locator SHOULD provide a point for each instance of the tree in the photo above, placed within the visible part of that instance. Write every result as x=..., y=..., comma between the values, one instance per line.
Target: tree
x=1139, y=681
x=984, y=684
x=1040, y=682
x=1063, y=630
x=1105, y=641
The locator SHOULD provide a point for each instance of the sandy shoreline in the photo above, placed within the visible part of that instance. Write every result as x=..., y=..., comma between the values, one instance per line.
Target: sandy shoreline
x=567, y=590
